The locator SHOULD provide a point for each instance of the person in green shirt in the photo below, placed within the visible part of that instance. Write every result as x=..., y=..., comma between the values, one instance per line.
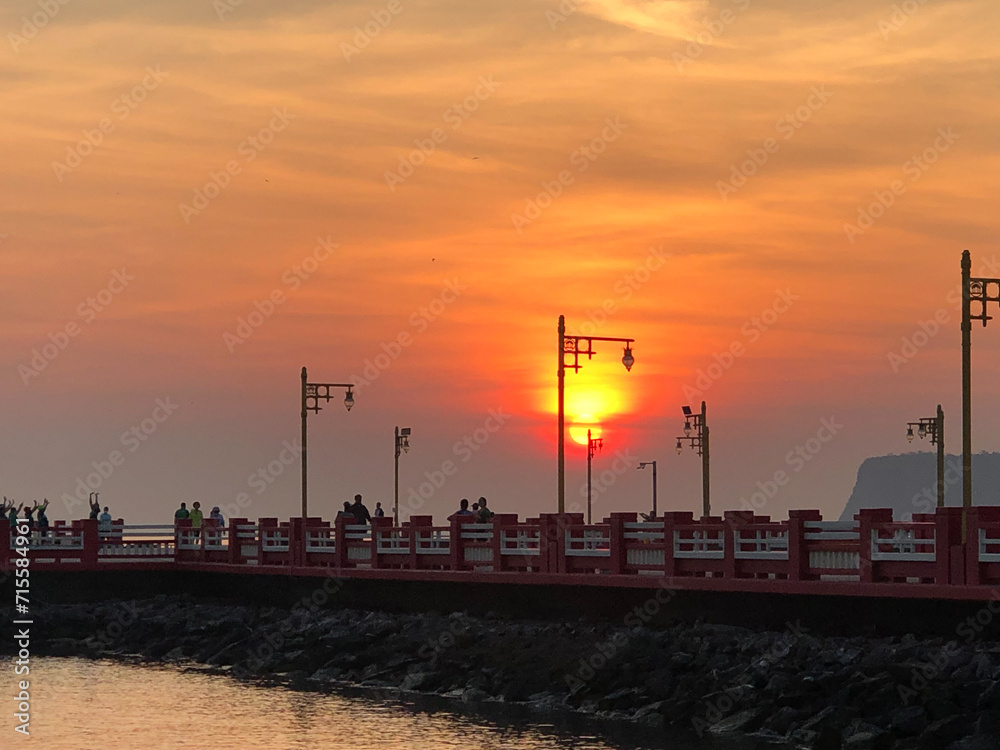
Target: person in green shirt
x=181, y=512
x=196, y=516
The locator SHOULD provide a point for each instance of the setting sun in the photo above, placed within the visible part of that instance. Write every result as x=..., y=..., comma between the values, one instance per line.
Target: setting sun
x=578, y=429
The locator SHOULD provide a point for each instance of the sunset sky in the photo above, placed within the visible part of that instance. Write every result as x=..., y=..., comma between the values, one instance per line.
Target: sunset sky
x=771, y=198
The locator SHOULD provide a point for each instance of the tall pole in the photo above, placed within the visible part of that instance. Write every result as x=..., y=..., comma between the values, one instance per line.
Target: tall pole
x=395, y=493
x=590, y=457
x=654, y=489
x=940, y=456
x=966, y=390
x=561, y=377
x=706, y=508
x=304, y=472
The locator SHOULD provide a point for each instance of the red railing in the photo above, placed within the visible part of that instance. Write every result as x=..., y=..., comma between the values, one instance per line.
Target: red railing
x=739, y=546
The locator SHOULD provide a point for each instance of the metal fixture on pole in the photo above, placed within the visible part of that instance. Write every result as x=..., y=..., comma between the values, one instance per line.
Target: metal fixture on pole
x=312, y=393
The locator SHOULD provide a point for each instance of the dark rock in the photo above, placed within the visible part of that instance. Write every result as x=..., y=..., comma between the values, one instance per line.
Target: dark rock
x=867, y=738
x=908, y=721
x=780, y=721
x=942, y=732
x=744, y=721
x=681, y=659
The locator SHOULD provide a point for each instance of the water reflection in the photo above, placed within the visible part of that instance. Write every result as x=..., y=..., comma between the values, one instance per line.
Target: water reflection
x=79, y=704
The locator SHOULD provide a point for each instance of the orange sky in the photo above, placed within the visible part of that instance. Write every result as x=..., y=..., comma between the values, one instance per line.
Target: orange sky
x=708, y=172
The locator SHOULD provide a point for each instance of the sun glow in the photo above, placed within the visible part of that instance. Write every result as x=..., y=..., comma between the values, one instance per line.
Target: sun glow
x=578, y=429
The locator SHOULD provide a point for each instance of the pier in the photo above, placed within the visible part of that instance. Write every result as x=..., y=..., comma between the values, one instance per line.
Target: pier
x=871, y=556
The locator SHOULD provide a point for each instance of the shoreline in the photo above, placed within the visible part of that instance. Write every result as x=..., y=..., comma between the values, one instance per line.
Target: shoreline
x=767, y=688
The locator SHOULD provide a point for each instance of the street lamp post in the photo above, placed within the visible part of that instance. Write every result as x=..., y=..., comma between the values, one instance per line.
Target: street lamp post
x=932, y=427
x=699, y=441
x=980, y=292
x=643, y=465
x=572, y=345
x=593, y=446
x=311, y=395
x=402, y=444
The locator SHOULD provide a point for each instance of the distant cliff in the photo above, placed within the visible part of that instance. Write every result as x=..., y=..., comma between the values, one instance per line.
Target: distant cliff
x=908, y=483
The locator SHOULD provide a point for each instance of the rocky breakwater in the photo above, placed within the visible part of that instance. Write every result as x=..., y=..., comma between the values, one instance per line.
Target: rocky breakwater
x=788, y=688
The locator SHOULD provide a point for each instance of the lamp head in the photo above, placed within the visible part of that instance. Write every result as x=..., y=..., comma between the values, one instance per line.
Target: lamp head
x=627, y=359
x=679, y=446
x=687, y=427
x=909, y=434
x=349, y=399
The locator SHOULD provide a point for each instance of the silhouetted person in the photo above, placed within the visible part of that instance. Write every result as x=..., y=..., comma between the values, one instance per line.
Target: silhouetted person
x=104, y=521
x=346, y=513
x=43, y=520
x=181, y=513
x=361, y=514
x=378, y=512
x=29, y=517
x=216, y=515
x=196, y=516
x=463, y=509
x=485, y=514
x=95, y=506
